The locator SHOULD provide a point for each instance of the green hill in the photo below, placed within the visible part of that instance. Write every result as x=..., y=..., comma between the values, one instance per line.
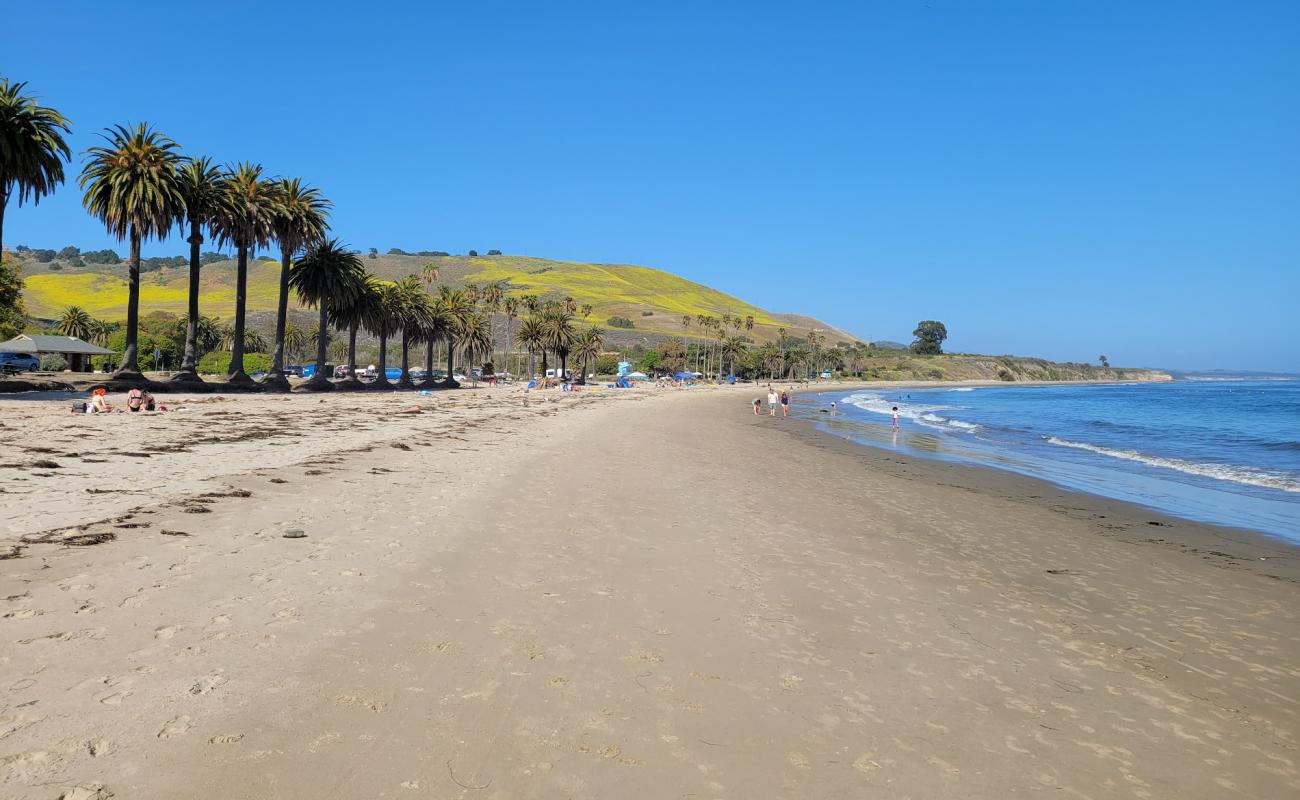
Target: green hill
x=655, y=301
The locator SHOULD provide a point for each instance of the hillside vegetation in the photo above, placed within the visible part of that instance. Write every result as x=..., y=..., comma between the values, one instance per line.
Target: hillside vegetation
x=902, y=365
x=653, y=300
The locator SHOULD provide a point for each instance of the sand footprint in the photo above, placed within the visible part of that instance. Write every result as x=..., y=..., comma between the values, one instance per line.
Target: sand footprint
x=208, y=683
x=166, y=631
x=176, y=726
x=226, y=738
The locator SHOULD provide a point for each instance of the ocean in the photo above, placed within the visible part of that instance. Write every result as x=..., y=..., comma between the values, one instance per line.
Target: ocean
x=1219, y=451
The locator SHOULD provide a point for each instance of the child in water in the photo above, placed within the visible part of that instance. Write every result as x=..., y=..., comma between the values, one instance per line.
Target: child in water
x=895, y=416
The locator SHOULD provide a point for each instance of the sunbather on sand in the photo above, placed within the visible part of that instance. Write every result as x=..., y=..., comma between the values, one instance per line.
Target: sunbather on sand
x=98, y=403
x=139, y=400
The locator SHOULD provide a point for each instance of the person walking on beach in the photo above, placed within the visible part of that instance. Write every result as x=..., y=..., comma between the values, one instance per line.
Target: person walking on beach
x=771, y=402
x=785, y=403
x=895, y=417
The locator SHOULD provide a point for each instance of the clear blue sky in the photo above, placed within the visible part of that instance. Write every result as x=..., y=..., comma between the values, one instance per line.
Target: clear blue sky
x=1057, y=179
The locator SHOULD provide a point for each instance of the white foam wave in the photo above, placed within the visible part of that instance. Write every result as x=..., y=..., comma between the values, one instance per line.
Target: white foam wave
x=1222, y=472
x=964, y=389
x=922, y=414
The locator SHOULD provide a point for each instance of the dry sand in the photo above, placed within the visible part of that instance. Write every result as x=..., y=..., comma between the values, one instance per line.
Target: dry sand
x=630, y=595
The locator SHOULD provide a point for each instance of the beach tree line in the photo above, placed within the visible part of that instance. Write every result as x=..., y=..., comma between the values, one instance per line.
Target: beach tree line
x=142, y=187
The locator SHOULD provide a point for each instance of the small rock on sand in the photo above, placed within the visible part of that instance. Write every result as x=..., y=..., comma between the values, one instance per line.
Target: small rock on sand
x=295, y=533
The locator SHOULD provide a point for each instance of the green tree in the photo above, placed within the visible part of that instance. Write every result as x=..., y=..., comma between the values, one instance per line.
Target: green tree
x=1105, y=362
x=202, y=189
x=586, y=347
x=929, y=337
x=457, y=307
x=245, y=221
x=352, y=317
x=76, y=322
x=474, y=337
x=131, y=185
x=299, y=221
x=327, y=275
x=384, y=322
x=13, y=313
x=413, y=311
x=32, y=149
x=560, y=334
x=532, y=337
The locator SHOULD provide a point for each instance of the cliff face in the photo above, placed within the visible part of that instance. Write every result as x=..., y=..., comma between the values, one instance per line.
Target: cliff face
x=1011, y=369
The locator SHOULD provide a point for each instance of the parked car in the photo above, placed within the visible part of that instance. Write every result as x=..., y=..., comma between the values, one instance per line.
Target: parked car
x=11, y=363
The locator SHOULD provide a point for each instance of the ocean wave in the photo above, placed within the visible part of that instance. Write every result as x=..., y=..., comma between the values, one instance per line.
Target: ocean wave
x=1223, y=472
x=920, y=413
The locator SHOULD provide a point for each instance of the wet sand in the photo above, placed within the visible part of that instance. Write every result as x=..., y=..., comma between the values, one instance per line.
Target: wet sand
x=616, y=595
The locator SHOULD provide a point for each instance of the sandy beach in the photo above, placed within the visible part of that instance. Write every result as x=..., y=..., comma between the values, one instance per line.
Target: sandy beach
x=608, y=594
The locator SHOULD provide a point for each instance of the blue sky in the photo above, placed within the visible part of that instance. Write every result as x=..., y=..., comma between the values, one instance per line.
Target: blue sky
x=1055, y=179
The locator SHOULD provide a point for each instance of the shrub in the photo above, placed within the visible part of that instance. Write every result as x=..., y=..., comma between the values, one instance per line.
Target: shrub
x=218, y=363
x=473, y=254
x=494, y=252
x=606, y=364
x=53, y=362
x=620, y=322
x=647, y=313
x=1005, y=374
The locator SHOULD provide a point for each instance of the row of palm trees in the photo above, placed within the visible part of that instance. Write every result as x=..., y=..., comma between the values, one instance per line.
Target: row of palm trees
x=141, y=187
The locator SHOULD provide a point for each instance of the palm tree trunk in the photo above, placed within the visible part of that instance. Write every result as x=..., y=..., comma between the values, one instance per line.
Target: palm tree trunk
x=351, y=347
x=428, y=364
x=281, y=316
x=450, y=382
x=4, y=201
x=130, y=367
x=405, y=380
x=544, y=353
x=235, y=373
x=322, y=338
x=189, y=364
x=382, y=378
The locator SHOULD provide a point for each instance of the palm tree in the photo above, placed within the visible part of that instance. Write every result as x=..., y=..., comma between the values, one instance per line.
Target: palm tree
x=686, y=326
x=749, y=322
x=299, y=222
x=131, y=186
x=457, y=307
x=586, y=347
x=76, y=322
x=202, y=189
x=328, y=275
x=383, y=322
x=296, y=342
x=100, y=331
x=732, y=347
x=558, y=325
x=413, y=313
x=207, y=334
x=352, y=316
x=433, y=329
x=32, y=150
x=1105, y=362
x=474, y=337
x=585, y=310
x=510, y=305
x=532, y=337
x=490, y=298
x=430, y=273
x=245, y=222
